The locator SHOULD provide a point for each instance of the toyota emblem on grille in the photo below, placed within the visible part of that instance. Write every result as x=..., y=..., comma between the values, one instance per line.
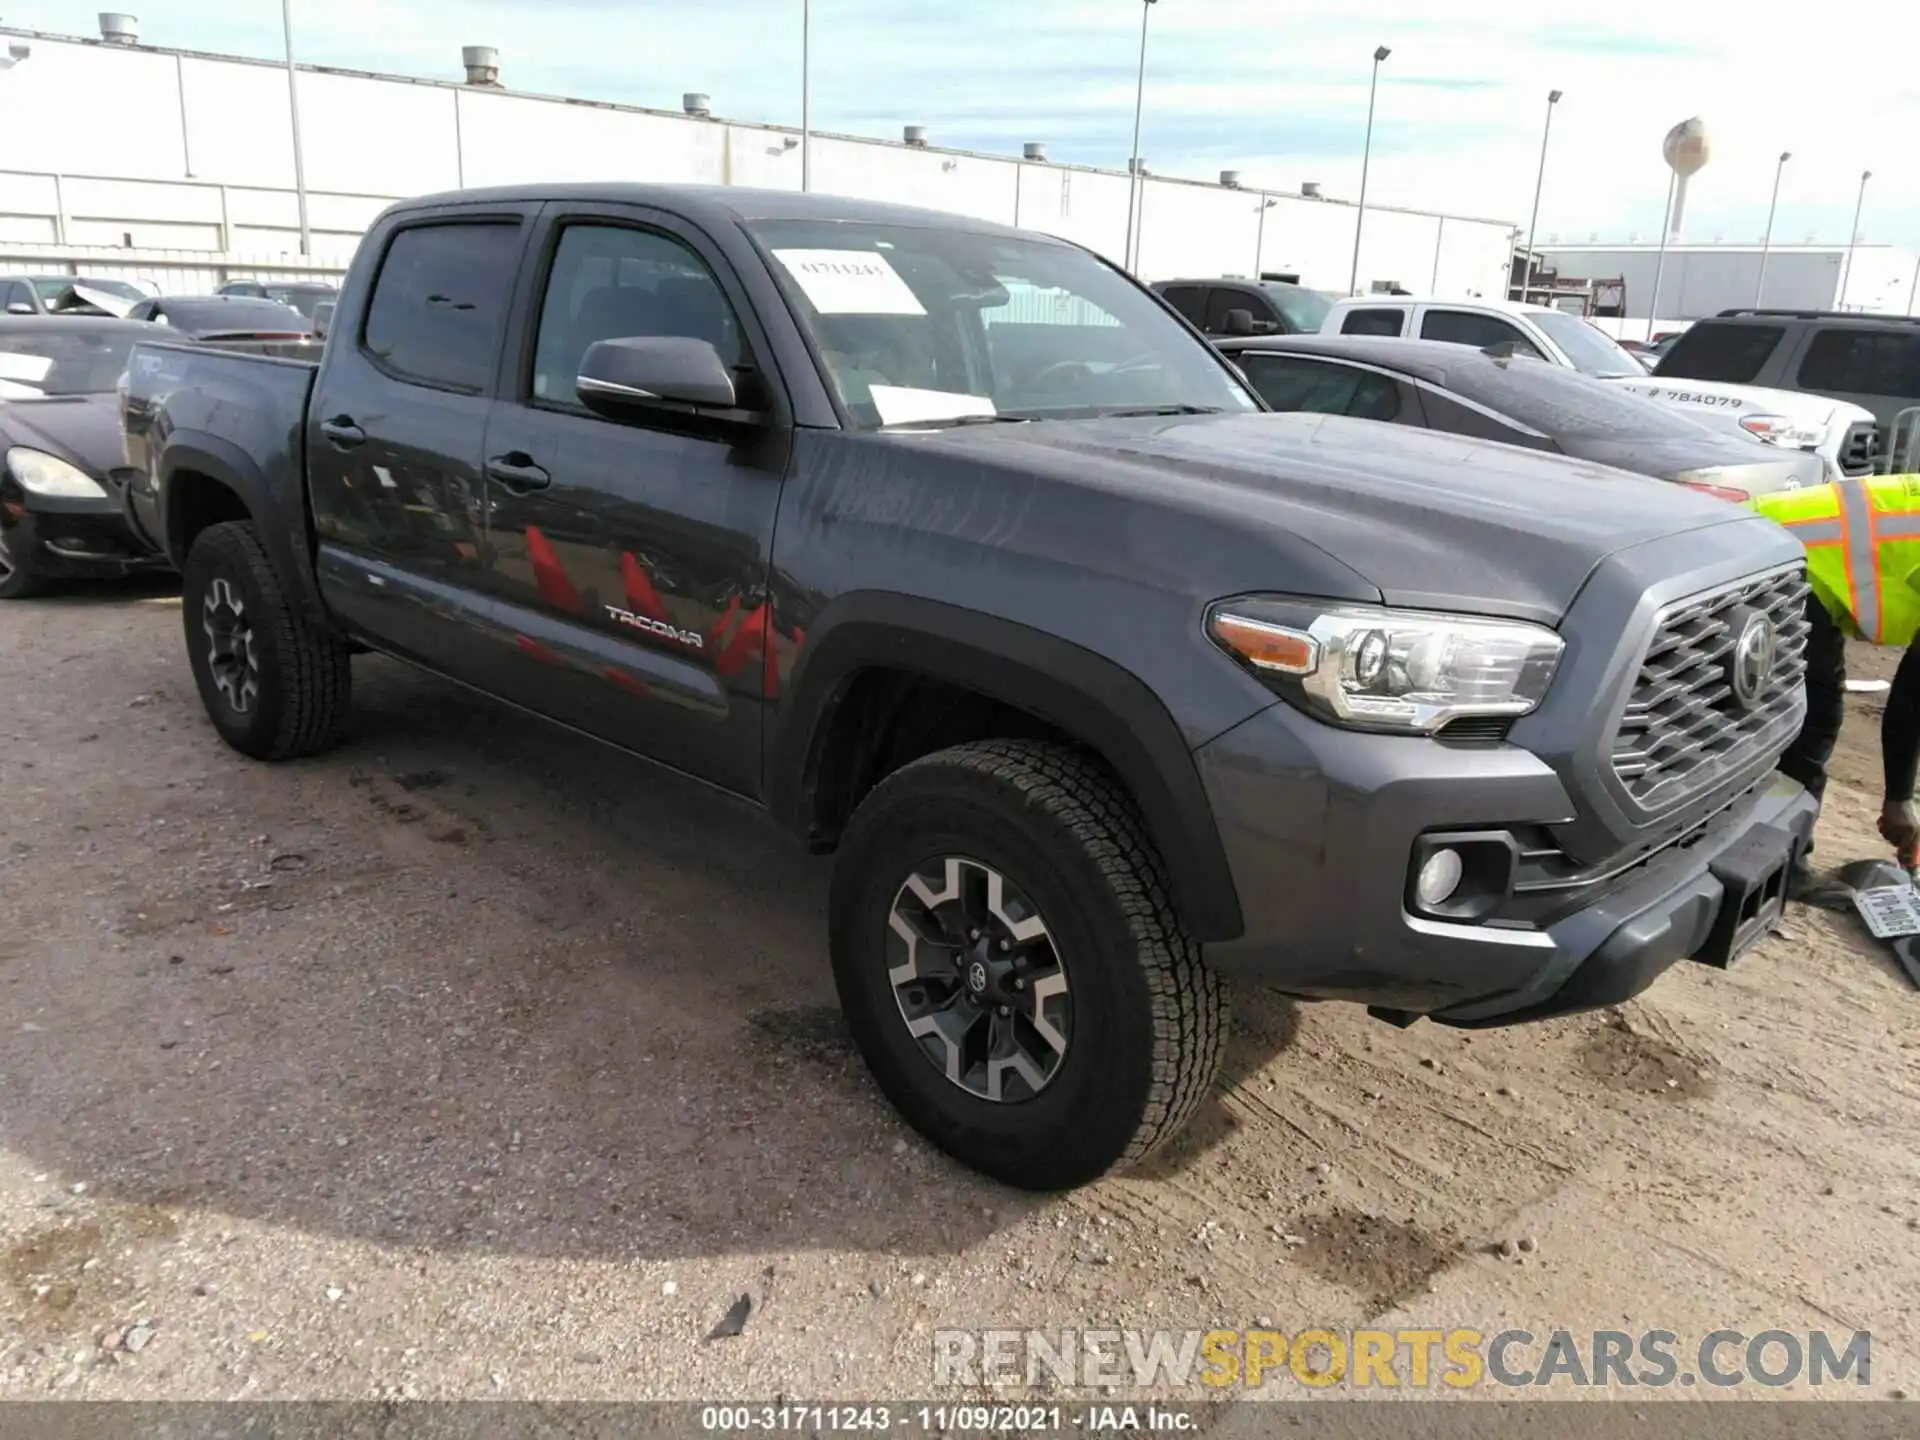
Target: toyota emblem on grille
x=1751, y=665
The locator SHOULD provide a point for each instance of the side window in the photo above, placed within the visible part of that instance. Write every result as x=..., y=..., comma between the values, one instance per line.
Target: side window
x=1862, y=362
x=610, y=282
x=1219, y=302
x=1288, y=382
x=1733, y=353
x=1373, y=322
x=1189, y=300
x=438, y=303
x=1463, y=327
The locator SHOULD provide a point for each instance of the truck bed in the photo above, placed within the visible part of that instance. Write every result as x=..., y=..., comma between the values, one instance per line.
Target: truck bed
x=239, y=417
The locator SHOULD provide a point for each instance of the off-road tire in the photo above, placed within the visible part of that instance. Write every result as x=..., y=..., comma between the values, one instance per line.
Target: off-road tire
x=305, y=677
x=1150, y=1018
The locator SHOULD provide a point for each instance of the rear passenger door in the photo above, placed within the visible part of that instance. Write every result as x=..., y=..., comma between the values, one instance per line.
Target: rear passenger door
x=394, y=434
x=630, y=558
x=1330, y=387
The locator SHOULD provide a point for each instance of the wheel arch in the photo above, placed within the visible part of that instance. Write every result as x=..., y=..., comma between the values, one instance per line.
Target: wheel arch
x=205, y=480
x=1082, y=696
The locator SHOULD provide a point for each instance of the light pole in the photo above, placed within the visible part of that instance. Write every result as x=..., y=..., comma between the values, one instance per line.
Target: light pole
x=1526, y=282
x=806, y=94
x=293, y=110
x=1766, y=241
x=1139, y=103
x=1260, y=242
x=1853, y=237
x=1366, y=158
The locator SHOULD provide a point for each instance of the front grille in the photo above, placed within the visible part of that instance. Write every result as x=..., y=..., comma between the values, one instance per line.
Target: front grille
x=1684, y=729
x=1860, y=450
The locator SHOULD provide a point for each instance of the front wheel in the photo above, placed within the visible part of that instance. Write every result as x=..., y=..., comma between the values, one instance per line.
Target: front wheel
x=1012, y=968
x=17, y=577
x=274, y=684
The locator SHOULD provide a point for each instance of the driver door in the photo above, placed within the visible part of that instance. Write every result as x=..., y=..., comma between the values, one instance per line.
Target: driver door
x=628, y=559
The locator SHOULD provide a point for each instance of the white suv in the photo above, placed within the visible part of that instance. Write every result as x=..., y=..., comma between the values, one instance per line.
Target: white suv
x=1777, y=417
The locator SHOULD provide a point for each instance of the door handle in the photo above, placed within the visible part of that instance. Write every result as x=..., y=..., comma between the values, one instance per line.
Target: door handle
x=343, y=432
x=517, y=471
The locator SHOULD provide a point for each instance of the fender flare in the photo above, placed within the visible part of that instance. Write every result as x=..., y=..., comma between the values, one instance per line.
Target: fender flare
x=1085, y=694
x=283, y=531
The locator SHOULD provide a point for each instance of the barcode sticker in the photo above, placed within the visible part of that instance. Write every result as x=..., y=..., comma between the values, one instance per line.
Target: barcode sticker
x=1889, y=910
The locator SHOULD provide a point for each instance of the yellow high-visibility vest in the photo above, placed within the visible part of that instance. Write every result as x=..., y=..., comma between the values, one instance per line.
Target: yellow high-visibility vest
x=1862, y=538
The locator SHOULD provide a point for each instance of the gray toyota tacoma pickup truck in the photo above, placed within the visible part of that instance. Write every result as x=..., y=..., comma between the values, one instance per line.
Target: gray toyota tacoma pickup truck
x=961, y=554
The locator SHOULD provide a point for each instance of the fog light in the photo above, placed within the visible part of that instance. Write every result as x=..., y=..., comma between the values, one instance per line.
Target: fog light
x=1438, y=879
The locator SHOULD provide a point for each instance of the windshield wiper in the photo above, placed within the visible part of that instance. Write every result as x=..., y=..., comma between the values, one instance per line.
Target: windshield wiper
x=1163, y=410
x=943, y=422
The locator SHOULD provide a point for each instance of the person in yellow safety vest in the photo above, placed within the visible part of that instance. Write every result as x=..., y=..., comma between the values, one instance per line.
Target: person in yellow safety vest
x=1862, y=538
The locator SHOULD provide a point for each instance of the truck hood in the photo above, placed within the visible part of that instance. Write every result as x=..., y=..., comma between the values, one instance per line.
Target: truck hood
x=1711, y=399
x=1428, y=520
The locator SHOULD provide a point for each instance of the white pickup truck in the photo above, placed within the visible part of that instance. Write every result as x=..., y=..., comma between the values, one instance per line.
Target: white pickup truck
x=1840, y=433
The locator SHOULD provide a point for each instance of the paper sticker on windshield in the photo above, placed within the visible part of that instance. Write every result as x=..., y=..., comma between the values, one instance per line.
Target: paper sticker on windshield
x=903, y=405
x=850, y=282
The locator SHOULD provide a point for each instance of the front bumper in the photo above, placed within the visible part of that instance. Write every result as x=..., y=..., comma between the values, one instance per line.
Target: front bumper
x=1319, y=826
x=72, y=539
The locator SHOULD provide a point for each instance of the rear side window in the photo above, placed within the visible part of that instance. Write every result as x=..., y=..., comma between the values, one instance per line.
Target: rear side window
x=1463, y=327
x=1372, y=322
x=1189, y=300
x=1862, y=362
x=439, y=301
x=1287, y=382
x=1729, y=353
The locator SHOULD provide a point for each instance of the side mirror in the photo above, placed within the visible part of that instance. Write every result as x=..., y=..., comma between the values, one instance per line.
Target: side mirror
x=654, y=375
x=1237, y=322
x=20, y=307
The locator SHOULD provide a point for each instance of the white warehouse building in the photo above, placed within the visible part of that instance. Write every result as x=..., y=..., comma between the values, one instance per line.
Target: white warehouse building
x=124, y=159
x=1701, y=280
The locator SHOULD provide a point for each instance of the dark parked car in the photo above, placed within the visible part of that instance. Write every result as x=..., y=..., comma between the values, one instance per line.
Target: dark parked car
x=302, y=295
x=62, y=452
x=1517, y=400
x=225, y=317
x=952, y=549
x=1246, y=307
x=63, y=294
x=1868, y=360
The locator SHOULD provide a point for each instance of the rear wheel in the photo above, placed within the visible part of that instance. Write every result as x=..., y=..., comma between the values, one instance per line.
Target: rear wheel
x=1012, y=968
x=275, y=685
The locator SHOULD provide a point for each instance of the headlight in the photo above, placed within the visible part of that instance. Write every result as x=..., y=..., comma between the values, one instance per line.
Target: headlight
x=1778, y=430
x=1370, y=668
x=44, y=474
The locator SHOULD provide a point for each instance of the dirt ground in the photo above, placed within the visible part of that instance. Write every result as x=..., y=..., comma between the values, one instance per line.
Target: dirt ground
x=474, y=1061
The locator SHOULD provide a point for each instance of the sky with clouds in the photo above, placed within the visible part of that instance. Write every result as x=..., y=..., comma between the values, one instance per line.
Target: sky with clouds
x=1274, y=88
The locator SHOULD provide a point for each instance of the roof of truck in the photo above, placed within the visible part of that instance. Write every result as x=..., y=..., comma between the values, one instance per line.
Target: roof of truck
x=716, y=203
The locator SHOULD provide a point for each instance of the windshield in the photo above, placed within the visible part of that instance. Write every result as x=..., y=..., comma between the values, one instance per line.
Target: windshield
x=304, y=298
x=1565, y=404
x=1305, y=310
x=1591, y=351
x=930, y=326
x=63, y=363
x=53, y=286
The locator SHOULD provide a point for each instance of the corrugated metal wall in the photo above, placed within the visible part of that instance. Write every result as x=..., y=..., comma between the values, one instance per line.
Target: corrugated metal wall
x=183, y=153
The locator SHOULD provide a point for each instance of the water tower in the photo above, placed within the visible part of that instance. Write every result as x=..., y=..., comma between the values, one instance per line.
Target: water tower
x=1685, y=150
